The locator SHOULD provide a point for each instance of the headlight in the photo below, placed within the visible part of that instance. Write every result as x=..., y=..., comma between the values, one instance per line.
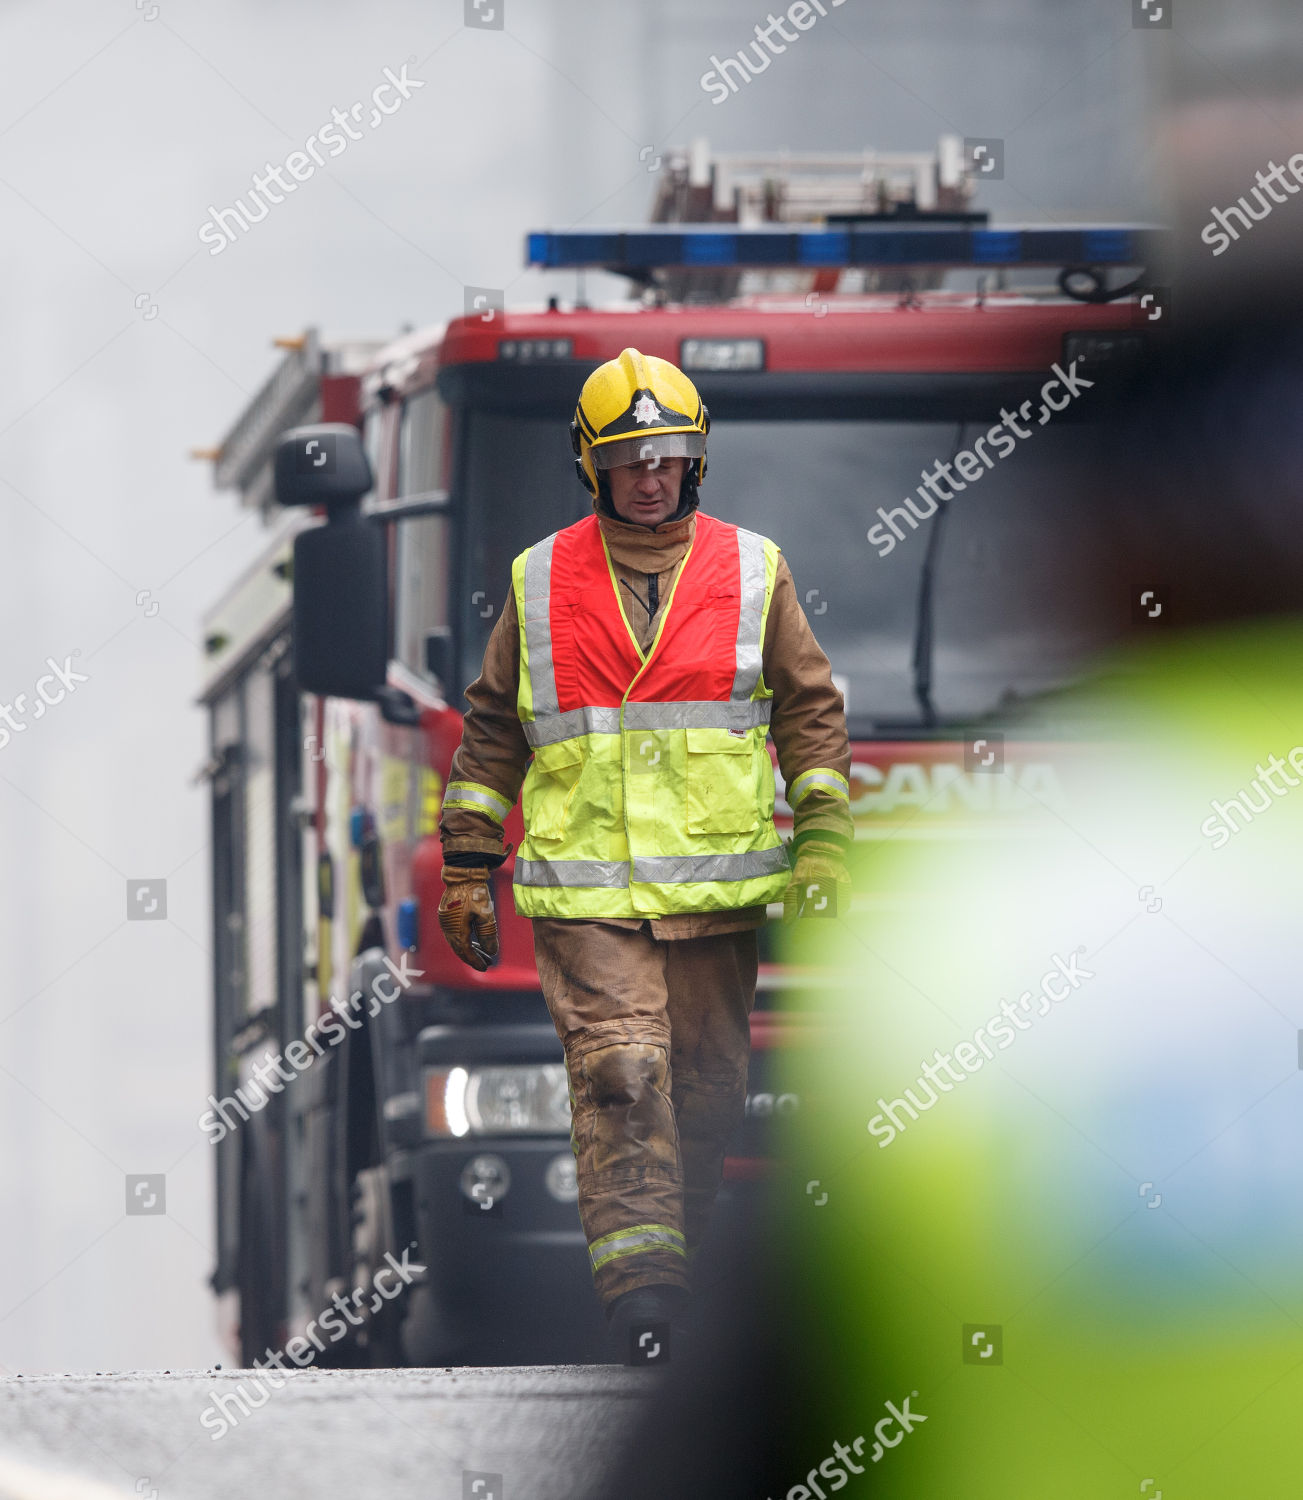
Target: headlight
x=520, y=1099
x=561, y=1178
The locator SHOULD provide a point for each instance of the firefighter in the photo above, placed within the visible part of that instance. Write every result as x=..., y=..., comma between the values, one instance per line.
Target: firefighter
x=641, y=658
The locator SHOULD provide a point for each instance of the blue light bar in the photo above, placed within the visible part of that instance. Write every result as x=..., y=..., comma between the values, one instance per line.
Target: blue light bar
x=639, y=251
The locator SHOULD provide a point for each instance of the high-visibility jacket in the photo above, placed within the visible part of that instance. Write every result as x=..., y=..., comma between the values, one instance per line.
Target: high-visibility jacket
x=651, y=790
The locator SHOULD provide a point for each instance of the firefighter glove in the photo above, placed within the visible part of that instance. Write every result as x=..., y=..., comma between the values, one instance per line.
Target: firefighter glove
x=820, y=885
x=466, y=915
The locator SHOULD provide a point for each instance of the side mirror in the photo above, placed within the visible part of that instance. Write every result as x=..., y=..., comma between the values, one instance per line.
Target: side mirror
x=341, y=608
x=341, y=569
x=325, y=464
x=438, y=655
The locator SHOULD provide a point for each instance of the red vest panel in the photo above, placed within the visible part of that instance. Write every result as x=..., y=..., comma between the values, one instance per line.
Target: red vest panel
x=695, y=656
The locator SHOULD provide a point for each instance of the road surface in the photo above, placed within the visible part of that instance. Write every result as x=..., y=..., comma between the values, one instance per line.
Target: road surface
x=493, y=1434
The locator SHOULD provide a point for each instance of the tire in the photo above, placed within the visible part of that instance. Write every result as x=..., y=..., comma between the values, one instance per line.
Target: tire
x=259, y=1267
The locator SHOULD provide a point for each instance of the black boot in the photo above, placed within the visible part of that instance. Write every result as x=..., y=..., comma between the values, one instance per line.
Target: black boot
x=649, y=1325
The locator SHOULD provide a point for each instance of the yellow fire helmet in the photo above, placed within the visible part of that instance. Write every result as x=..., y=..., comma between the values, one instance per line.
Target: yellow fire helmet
x=635, y=408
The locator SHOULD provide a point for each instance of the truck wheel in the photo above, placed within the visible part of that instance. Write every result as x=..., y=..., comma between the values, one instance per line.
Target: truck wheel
x=373, y=1239
x=261, y=1328
x=428, y=1336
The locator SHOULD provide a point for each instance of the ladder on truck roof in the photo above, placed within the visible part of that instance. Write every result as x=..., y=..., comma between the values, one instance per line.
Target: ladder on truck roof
x=804, y=187
x=291, y=394
x=807, y=188
x=751, y=189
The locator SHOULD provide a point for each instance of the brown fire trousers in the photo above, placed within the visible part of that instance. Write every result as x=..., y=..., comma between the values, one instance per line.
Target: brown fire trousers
x=656, y=1037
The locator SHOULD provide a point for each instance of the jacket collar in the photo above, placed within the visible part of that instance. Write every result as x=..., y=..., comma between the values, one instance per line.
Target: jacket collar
x=669, y=534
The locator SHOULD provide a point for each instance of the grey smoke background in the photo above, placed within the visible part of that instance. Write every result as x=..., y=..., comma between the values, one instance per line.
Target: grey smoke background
x=126, y=343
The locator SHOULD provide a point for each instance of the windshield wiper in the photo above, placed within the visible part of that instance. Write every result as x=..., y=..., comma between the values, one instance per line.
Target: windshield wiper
x=923, y=617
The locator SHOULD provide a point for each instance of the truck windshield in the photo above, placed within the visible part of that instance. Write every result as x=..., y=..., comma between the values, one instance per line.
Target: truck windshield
x=1011, y=591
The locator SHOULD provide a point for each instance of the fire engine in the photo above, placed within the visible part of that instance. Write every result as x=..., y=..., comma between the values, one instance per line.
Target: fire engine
x=850, y=321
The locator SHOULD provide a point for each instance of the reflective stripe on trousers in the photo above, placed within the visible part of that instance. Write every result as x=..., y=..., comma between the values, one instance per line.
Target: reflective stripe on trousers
x=632, y=1241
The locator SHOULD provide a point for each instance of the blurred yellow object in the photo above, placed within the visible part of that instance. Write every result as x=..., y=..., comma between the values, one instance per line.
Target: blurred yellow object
x=1085, y=1259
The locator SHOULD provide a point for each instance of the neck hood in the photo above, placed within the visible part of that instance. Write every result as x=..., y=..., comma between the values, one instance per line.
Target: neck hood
x=672, y=533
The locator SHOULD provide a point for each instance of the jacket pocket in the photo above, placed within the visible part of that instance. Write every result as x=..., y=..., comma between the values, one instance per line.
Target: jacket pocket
x=550, y=788
x=722, y=795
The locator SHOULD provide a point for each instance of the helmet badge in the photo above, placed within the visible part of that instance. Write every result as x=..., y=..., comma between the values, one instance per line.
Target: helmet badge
x=646, y=410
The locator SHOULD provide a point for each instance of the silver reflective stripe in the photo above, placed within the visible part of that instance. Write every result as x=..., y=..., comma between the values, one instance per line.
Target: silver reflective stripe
x=571, y=724
x=611, y=873
x=809, y=781
x=678, y=869
x=577, y=721
x=538, y=627
x=612, y=1246
x=751, y=568
x=748, y=715
x=483, y=799
x=658, y=869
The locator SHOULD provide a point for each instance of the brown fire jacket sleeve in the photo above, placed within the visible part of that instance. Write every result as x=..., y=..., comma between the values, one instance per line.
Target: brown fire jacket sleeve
x=494, y=751
x=808, y=725
x=808, y=722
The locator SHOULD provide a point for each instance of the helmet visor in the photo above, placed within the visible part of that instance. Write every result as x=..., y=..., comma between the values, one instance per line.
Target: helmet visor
x=648, y=445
